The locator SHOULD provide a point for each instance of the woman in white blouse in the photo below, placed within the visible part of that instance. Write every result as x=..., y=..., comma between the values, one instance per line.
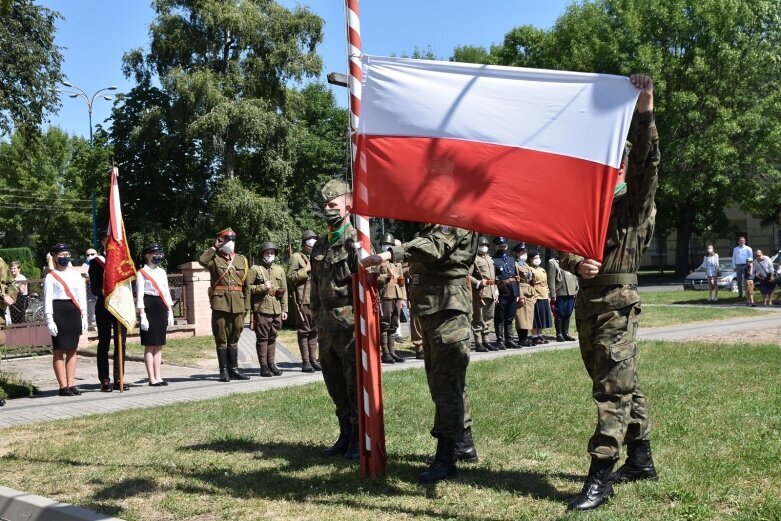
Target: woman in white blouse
x=65, y=307
x=711, y=263
x=154, y=302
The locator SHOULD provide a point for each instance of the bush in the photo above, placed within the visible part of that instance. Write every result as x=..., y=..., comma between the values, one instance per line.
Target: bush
x=11, y=386
x=29, y=266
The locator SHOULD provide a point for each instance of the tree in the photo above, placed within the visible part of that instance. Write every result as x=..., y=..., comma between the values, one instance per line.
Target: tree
x=716, y=69
x=29, y=65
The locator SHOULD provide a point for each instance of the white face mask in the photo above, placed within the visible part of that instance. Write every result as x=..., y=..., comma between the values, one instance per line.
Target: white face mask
x=228, y=247
x=523, y=257
x=536, y=262
x=483, y=249
x=268, y=259
x=310, y=242
x=385, y=247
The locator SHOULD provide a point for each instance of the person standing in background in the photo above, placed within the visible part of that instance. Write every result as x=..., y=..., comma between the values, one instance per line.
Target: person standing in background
x=712, y=273
x=91, y=299
x=299, y=273
x=741, y=255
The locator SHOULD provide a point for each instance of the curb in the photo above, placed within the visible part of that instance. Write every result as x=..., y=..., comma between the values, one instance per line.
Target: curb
x=20, y=506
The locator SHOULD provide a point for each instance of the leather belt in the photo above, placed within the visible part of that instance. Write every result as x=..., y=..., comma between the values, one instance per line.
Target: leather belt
x=228, y=288
x=421, y=279
x=609, y=279
x=337, y=303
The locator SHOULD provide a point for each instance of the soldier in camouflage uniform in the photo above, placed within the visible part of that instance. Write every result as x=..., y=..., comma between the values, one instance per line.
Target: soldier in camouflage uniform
x=298, y=274
x=229, y=296
x=268, y=287
x=8, y=294
x=607, y=312
x=484, y=295
x=392, y=290
x=441, y=259
x=334, y=261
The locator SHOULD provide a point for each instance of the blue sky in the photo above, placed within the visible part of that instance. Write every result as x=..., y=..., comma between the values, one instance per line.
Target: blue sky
x=96, y=33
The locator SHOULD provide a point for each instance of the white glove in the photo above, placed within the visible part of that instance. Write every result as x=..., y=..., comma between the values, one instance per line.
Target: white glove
x=170, y=318
x=144, y=323
x=51, y=325
x=84, y=324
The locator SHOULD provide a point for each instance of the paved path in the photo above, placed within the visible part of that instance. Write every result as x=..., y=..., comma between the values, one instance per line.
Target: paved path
x=188, y=384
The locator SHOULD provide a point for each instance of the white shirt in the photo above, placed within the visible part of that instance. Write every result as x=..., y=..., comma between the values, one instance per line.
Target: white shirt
x=145, y=287
x=53, y=290
x=711, y=264
x=741, y=255
x=22, y=287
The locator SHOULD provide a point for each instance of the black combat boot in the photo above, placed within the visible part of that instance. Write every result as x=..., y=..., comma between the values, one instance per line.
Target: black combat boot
x=306, y=367
x=597, y=488
x=480, y=347
x=340, y=446
x=265, y=371
x=557, y=324
x=386, y=358
x=303, y=346
x=353, y=447
x=222, y=361
x=565, y=329
x=508, y=336
x=444, y=464
x=272, y=357
x=639, y=464
x=465, y=449
x=316, y=365
x=234, y=373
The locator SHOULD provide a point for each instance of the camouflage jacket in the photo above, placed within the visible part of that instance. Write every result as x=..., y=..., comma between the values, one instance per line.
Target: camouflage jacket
x=229, y=290
x=263, y=300
x=298, y=277
x=630, y=227
x=441, y=259
x=333, y=265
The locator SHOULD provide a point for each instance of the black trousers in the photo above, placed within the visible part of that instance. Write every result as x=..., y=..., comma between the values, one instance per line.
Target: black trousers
x=107, y=323
x=504, y=313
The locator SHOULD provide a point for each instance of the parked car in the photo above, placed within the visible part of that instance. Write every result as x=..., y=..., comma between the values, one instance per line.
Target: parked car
x=728, y=280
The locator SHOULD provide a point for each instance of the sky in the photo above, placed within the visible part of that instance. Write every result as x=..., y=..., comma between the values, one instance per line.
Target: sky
x=94, y=34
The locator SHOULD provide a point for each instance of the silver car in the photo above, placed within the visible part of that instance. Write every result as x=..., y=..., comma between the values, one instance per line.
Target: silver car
x=727, y=280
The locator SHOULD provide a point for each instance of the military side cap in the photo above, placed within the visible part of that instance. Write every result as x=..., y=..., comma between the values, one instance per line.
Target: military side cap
x=268, y=245
x=500, y=241
x=482, y=241
x=521, y=246
x=308, y=234
x=333, y=189
x=226, y=231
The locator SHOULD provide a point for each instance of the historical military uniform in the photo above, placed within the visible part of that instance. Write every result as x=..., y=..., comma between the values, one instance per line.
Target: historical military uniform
x=268, y=302
x=414, y=325
x=298, y=276
x=229, y=296
x=334, y=261
x=564, y=286
x=607, y=311
x=392, y=289
x=524, y=316
x=484, y=296
x=7, y=289
x=509, y=292
x=542, y=313
x=441, y=260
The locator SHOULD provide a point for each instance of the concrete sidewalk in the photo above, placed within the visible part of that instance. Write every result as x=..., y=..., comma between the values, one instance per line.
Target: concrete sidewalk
x=188, y=384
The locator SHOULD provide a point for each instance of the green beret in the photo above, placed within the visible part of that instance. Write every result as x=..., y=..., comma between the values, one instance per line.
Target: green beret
x=334, y=188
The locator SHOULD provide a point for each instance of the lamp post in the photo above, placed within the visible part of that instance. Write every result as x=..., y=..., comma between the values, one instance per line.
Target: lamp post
x=90, y=100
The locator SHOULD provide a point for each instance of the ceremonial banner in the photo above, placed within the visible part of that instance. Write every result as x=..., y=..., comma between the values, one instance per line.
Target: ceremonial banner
x=524, y=153
x=120, y=270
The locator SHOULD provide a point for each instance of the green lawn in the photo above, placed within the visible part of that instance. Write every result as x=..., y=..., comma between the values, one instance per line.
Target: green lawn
x=716, y=411
x=182, y=351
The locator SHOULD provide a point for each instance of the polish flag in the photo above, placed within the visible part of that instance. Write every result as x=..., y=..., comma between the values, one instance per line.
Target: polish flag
x=528, y=154
x=119, y=271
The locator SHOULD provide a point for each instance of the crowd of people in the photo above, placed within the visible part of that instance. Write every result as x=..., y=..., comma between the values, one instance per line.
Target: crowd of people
x=753, y=270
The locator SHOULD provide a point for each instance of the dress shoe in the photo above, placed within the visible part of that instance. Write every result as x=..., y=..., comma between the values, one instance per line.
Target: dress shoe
x=106, y=387
x=155, y=384
x=66, y=391
x=126, y=387
x=75, y=391
x=560, y=338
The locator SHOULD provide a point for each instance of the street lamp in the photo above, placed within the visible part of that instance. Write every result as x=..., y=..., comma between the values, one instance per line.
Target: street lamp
x=90, y=101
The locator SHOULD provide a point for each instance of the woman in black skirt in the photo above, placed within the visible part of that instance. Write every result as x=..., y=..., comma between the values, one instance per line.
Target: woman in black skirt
x=65, y=306
x=542, y=313
x=154, y=302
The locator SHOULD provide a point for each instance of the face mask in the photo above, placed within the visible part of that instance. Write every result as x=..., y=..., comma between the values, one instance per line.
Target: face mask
x=710, y=251
x=63, y=261
x=157, y=259
x=536, y=262
x=228, y=247
x=483, y=249
x=333, y=217
x=386, y=247
x=310, y=242
x=523, y=257
x=268, y=259
x=501, y=249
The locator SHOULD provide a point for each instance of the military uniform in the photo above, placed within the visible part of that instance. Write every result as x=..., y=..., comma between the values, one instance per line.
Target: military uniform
x=229, y=297
x=268, y=304
x=414, y=325
x=508, y=297
x=298, y=276
x=392, y=290
x=7, y=289
x=524, y=316
x=484, y=296
x=608, y=306
x=441, y=260
x=564, y=286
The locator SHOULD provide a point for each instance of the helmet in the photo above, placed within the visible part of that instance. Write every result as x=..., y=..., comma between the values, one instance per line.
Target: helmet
x=388, y=239
x=482, y=241
x=308, y=234
x=499, y=241
x=268, y=245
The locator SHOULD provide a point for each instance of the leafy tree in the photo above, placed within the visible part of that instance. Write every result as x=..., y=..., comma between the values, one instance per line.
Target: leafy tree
x=29, y=65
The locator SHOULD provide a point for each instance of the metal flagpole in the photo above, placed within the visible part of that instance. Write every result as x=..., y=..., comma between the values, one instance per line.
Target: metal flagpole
x=369, y=373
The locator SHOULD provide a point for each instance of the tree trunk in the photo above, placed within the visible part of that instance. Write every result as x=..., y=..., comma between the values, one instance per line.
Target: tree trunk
x=684, y=229
x=229, y=159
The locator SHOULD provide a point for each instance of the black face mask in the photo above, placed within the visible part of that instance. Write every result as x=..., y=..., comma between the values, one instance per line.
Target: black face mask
x=157, y=259
x=333, y=217
x=63, y=261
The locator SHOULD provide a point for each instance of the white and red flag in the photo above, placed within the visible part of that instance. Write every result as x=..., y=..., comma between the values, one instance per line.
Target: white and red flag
x=120, y=270
x=524, y=153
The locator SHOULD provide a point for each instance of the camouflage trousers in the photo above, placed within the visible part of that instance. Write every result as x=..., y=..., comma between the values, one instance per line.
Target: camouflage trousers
x=482, y=317
x=337, y=358
x=609, y=351
x=446, y=346
x=227, y=328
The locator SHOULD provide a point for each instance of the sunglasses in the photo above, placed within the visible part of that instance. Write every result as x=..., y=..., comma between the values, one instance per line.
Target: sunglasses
x=92, y=255
x=229, y=238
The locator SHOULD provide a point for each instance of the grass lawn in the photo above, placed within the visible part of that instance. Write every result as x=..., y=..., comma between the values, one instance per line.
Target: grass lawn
x=716, y=411
x=182, y=351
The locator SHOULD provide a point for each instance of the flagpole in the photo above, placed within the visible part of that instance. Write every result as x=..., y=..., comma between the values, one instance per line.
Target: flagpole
x=371, y=426
x=121, y=347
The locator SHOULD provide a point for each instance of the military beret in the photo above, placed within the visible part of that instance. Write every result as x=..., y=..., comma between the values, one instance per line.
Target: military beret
x=500, y=241
x=521, y=246
x=333, y=189
x=226, y=231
